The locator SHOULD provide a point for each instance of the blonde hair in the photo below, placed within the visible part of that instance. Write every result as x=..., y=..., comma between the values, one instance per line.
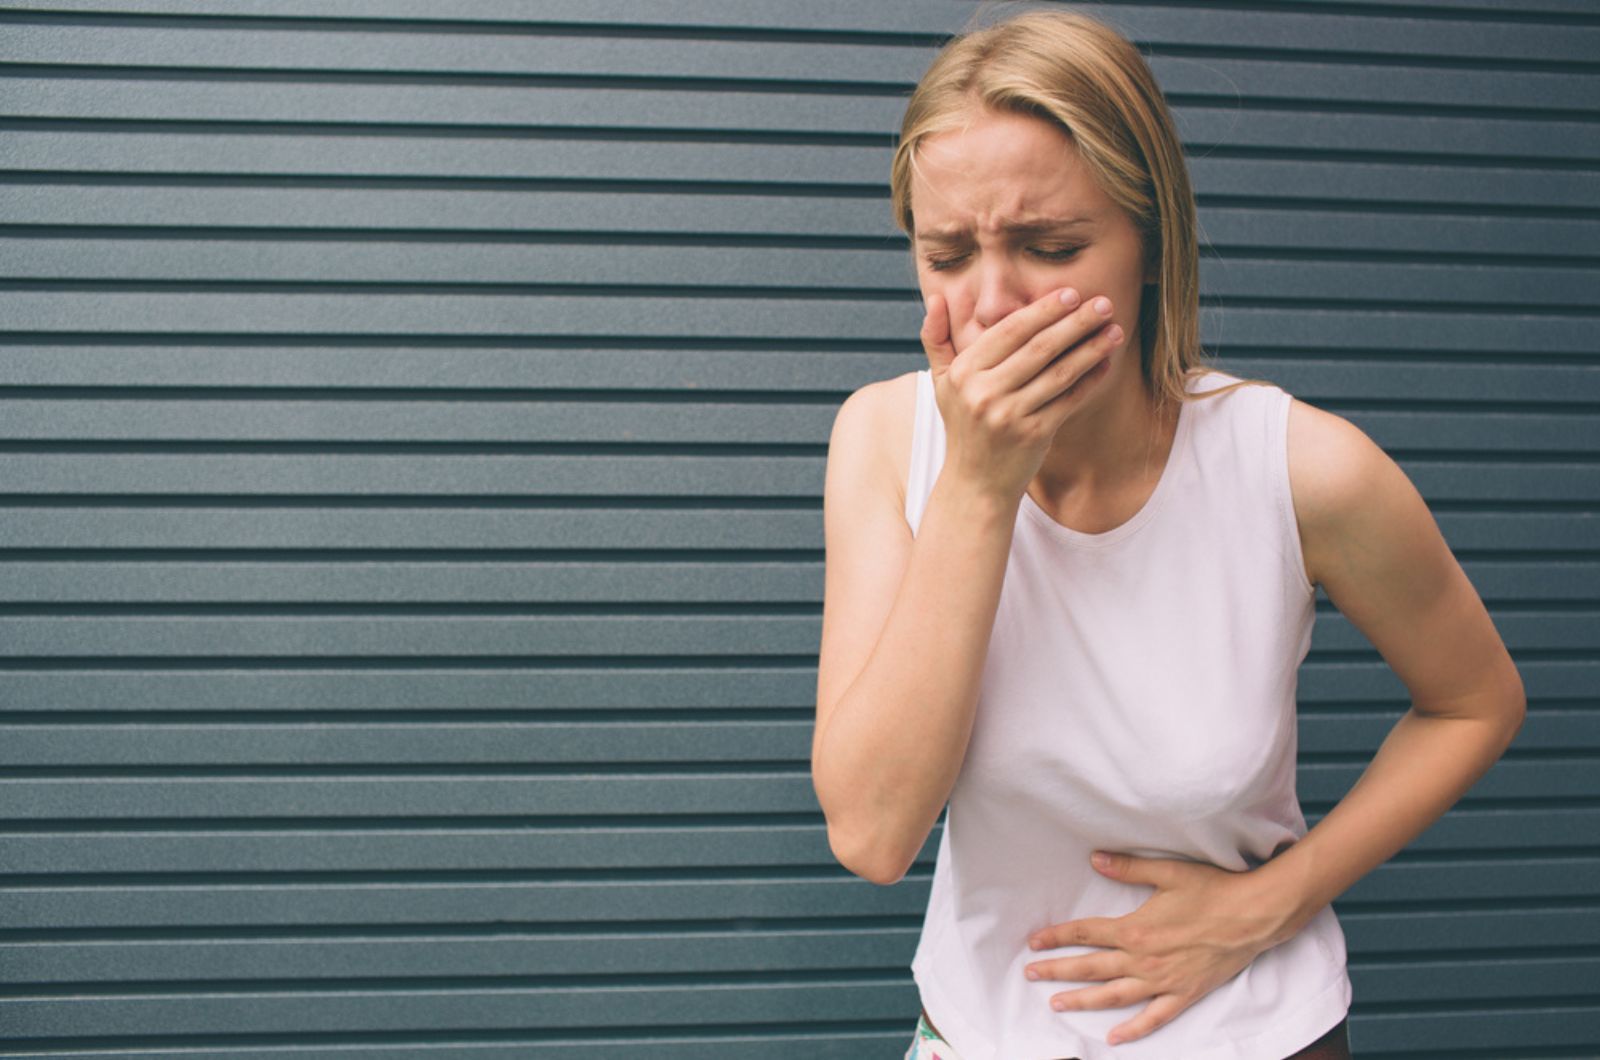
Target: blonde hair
x=1083, y=76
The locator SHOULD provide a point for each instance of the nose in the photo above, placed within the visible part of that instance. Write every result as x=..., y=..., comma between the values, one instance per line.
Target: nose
x=1000, y=291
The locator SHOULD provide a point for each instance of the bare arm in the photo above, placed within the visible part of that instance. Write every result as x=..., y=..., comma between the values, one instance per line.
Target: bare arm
x=905, y=632
x=1372, y=544
x=906, y=621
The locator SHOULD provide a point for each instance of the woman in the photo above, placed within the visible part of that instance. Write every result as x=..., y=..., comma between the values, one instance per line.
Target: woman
x=1070, y=579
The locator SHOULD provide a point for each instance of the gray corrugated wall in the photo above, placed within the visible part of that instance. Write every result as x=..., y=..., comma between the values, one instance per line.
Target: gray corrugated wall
x=413, y=438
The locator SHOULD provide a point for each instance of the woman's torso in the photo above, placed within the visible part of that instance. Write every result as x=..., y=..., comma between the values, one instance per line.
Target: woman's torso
x=1138, y=695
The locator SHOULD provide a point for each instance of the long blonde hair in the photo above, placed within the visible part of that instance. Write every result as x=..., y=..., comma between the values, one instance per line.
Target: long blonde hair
x=1080, y=74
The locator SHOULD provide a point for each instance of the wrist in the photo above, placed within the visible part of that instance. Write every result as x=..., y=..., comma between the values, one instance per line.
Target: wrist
x=979, y=498
x=1282, y=892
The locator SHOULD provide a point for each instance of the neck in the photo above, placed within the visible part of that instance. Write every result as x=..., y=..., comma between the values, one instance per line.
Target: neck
x=1118, y=443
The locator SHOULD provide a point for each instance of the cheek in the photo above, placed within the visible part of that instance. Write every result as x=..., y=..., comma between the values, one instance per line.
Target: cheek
x=957, y=298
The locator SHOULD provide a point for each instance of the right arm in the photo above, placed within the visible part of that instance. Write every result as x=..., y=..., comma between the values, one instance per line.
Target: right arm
x=906, y=620
x=905, y=631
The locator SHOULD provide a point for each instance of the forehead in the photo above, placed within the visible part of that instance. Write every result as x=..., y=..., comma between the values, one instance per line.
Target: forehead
x=997, y=170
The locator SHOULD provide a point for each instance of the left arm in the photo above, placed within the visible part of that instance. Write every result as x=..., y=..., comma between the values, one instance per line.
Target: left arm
x=1371, y=543
x=1373, y=546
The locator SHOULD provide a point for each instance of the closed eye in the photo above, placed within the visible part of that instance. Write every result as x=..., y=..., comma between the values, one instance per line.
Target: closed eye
x=1054, y=253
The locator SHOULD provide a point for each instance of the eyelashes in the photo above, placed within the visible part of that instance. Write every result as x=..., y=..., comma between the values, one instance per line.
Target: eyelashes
x=1049, y=254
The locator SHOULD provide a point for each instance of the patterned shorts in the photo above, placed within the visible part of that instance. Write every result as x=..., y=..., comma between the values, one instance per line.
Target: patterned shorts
x=927, y=1045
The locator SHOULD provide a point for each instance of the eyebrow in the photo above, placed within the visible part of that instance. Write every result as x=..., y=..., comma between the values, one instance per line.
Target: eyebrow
x=1041, y=226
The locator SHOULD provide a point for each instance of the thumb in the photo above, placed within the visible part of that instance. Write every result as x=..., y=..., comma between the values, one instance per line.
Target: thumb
x=936, y=335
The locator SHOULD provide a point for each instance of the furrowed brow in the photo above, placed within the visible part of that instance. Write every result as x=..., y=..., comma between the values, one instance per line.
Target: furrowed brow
x=1048, y=225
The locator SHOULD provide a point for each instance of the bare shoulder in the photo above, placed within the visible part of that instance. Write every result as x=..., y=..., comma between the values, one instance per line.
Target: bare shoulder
x=1374, y=547
x=874, y=426
x=1334, y=468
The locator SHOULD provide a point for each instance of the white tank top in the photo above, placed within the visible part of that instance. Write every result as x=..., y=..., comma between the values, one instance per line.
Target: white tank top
x=1138, y=696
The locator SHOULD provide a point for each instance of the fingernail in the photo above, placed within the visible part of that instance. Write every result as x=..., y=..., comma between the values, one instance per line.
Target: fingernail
x=1036, y=944
x=1058, y=1004
x=1032, y=973
x=1114, y=333
x=1069, y=297
x=1101, y=860
x=1102, y=305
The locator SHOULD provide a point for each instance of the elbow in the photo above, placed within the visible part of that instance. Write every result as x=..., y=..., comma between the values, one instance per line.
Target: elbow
x=866, y=859
x=1517, y=709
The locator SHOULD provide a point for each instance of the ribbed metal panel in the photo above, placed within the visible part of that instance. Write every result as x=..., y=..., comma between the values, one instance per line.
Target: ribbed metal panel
x=412, y=431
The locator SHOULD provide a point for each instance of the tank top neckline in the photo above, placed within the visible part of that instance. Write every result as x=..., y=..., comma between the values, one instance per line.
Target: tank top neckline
x=1082, y=539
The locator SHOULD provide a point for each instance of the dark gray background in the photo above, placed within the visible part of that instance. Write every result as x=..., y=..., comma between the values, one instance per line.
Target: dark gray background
x=413, y=443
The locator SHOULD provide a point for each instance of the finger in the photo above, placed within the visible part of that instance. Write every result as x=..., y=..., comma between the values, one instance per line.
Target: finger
x=1090, y=931
x=1005, y=337
x=936, y=334
x=1129, y=868
x=1117, y=994
x=1160, y=1012
x=1051, y=341
x=1085, y=968
x=1062, y=382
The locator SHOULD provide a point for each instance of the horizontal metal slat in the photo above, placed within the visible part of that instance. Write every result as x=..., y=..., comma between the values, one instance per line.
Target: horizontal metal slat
x=137, y=742
x=577, y=793
x=565, y=687
x=111, y=527
x=476, y=209
x=797, y=580
x=509, y=905
x=823, y=1044
x=1319, y=379
x=477, y=847
x=330, y=527
x=1201, y=127
x=504, y=107
x=478, y=157
x=1285, y=32
x=502, y=212
x=507, y=475
x=1503, y=980
x=208, y=1010
x=676, y=477
x=724, y=319
x=1519, y=439
x=243, y=1010
x=401, y=690
x=1226, y=79
x=503, y=905
x=816, y=165
x=470, y=636
x=462, y=266
x=904, y=16
x=884, y=16
x=306, y=955
x=455, y=53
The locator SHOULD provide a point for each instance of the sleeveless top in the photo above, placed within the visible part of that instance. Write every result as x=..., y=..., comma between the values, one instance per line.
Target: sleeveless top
x=1138, y=696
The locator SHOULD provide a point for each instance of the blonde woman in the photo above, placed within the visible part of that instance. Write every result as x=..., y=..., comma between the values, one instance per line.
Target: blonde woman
x=1070, y=579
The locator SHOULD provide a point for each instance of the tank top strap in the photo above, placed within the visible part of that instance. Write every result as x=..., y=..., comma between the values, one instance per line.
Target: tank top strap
x=927, y=450
x=1256, y=416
